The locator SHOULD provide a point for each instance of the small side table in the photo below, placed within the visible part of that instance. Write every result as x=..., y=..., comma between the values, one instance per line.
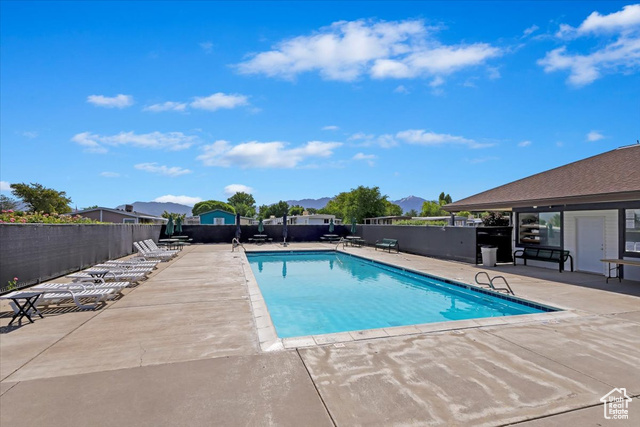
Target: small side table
x=30, y=298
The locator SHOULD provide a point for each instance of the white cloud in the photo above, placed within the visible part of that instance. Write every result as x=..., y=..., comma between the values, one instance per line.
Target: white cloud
x=110, y=174
x=219, y=100
x=479, y=160
x=29, y=134
x=264, y=155
x=434, y=61
x=161, y=169
x=618, y=33
x=532, y=29
x=401, y=89
x=118, y=101
x=436, y=82
x=627, y=18
x=5, y=186
x=594, y=135
x=330, y=127
x=367, y=140
x=232, y=189
x=422, y=137
x=172, y=141
x=524, y=144
x=362, y=156
x=166, y=106
x=368, y=157
x=346, y=50
x=207, y=47
x=183, y=200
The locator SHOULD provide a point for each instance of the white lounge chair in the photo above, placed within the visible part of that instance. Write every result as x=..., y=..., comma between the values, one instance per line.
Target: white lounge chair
x=56, y=296
x=134, y=263
x=144, y=252
x=133, y=275
x=151, y=246
x=84, y=285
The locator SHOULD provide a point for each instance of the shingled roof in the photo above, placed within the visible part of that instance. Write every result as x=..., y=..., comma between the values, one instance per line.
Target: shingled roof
x=608, y=177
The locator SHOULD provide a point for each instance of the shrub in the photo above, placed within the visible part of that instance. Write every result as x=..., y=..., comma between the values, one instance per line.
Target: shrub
x=20, y=217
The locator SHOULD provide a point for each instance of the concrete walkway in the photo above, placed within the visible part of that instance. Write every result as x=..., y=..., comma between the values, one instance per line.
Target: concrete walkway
x=182, y=348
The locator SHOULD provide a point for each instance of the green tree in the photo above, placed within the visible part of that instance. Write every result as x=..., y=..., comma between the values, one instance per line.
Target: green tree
x=359, y=203
x=276, y=209
x=296, y=210
x=172, y=215
x=391, y=209
x=432, y=208
x=7, y=203
x=243, y=203
x=444, y=199
x=312, y=211
x=411, y=213
x=42, y=199
x=91, y=207
x=209, y=205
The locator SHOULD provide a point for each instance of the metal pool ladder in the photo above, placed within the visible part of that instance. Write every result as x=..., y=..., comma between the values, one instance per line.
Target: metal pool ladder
x=235, y=243
x=490, y=284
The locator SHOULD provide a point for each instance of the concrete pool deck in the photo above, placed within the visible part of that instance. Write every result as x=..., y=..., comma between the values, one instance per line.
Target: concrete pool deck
x=183, y=348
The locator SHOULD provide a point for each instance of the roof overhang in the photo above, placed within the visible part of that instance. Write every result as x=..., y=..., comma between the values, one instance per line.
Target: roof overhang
x=558, y=201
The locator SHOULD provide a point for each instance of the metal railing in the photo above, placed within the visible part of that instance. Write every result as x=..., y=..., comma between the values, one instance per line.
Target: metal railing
x=490, y=284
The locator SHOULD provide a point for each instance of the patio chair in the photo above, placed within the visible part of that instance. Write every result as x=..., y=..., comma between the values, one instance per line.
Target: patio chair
x=153, y=247
x=146, y=254
x=132, y=263
x=133, y=275
x=83, y=285
x=56, y=296
x=144, y=245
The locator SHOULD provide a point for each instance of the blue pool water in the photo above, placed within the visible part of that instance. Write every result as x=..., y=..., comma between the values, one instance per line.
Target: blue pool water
x=311, y=293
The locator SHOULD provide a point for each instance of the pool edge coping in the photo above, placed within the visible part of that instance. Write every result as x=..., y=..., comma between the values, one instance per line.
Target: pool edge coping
x=269, y=340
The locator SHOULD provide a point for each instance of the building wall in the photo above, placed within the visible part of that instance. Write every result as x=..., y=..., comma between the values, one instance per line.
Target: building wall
x=207, y=217
x=107, y=216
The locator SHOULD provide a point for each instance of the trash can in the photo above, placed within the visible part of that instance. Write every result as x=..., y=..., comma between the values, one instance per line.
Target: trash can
x=489, y=255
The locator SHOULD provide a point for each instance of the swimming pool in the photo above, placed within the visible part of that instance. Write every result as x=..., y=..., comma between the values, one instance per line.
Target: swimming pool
x=322, y=292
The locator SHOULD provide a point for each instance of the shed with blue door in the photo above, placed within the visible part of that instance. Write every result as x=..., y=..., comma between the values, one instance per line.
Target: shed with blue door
x=217, y=217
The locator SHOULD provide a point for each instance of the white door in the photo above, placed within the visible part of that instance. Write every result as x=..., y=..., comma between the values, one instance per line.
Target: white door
x=590, y=244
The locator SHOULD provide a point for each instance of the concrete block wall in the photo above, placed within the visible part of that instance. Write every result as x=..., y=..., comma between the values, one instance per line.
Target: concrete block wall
x=225, y=233
x=455, y=243
x=39, y=252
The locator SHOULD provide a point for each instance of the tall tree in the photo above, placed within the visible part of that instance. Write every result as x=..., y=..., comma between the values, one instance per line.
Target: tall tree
x=209, y=205
x=296, y=210
x=243, y=203
x=42, y=199
x=391, y=209
x=432, y=208
x=411, y=213
x=7, y=203
x=277, y=209
x=360, y=203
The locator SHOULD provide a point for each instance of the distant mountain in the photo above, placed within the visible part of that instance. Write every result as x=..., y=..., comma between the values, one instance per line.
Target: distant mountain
x=411, y=202
x=311, y=203
x=157, y=208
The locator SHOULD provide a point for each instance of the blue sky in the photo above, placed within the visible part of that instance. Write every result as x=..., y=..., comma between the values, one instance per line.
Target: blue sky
x=138, y=101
